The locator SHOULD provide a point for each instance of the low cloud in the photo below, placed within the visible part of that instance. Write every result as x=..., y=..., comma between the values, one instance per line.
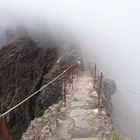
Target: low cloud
x=106, y=31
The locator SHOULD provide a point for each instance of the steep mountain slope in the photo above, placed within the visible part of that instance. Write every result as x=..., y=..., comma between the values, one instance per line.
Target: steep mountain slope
x=25, y=66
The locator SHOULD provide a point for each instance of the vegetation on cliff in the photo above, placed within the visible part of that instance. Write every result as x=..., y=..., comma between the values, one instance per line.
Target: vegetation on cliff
x=25, y=66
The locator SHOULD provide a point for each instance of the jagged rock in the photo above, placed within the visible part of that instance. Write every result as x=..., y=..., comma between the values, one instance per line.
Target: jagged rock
x=93, y=93
x=109, y=88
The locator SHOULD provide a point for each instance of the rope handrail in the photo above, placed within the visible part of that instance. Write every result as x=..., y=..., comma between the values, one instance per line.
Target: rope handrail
x=11, y=109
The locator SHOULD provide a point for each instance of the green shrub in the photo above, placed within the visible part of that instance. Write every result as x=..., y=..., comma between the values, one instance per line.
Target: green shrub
x=39, y=111
x=115, y=135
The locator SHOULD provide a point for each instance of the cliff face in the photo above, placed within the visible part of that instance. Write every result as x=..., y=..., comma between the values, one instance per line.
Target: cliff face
x=24, y=68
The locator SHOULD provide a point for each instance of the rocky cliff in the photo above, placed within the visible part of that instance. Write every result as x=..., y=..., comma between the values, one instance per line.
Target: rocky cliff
x=25, y=66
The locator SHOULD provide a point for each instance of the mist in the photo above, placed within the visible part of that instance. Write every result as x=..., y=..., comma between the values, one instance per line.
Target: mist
x=107, y=32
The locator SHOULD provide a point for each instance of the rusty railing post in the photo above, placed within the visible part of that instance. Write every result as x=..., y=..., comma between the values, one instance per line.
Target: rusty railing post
x=94, y=76
x=72, y=80
x=4, y=128
x=100, y=89
x=65, y=92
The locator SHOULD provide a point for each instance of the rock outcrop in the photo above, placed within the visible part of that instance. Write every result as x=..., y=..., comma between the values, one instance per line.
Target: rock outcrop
x=109, y=88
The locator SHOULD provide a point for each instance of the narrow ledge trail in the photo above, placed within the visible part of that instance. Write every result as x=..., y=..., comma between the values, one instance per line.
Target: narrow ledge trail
x=79, y=120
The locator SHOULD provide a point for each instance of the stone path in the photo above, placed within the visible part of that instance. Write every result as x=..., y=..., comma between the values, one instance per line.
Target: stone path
x=79, y=120
x=82, y=119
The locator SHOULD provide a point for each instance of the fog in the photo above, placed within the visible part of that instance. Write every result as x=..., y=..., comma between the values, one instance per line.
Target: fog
x=108, y=33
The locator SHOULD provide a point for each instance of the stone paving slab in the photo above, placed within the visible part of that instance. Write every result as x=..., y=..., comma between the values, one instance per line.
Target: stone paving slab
x=90, y=138
x=79, y=104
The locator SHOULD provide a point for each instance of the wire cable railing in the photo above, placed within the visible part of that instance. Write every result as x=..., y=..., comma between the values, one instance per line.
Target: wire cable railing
x=99, y=78
x=122, y=84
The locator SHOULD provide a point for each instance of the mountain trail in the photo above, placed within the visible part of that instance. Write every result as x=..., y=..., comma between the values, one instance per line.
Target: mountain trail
x=79, y=120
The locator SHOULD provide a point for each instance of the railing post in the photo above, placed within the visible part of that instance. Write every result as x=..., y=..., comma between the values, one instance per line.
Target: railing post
x=65, y=92
x=77, y=73
x=72, y=80
x=100, y=89
x=94, y=76
x=4, y=128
